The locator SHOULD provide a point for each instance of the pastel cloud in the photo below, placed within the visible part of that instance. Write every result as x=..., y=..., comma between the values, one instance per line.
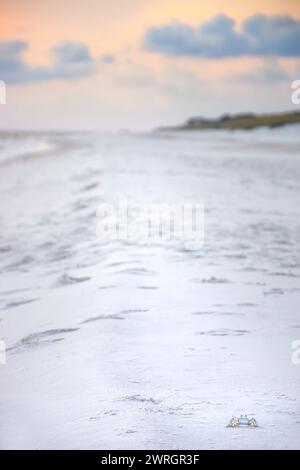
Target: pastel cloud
x=270, y=73
x=259, y=35
x=70, y=60
x=108, y=59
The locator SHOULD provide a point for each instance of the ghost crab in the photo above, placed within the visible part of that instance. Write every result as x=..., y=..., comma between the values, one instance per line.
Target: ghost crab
x=243, y=421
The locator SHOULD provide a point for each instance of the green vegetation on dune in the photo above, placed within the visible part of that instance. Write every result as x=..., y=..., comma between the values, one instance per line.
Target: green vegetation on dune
x=239, y=121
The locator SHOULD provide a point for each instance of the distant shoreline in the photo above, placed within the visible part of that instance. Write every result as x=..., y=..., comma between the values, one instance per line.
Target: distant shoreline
x=247, y=121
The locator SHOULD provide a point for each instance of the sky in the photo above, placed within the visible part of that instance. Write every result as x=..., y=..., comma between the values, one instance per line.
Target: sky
x=138, y=64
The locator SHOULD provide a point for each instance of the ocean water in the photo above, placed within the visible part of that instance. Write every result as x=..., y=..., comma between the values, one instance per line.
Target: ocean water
x=124, y=344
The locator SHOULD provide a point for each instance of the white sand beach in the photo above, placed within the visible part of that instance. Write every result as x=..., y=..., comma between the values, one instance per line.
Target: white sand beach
x=125, y=345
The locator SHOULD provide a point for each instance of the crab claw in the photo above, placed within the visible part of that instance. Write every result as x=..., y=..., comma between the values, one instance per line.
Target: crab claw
x=253, y=423
x=233, y=423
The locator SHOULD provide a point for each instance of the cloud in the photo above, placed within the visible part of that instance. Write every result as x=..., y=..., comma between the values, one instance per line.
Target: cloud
x=133, y=74
x=269, y=73
x=12, y=48
x=108, y=59
x=70, y=60
x=259, y=35
x=72, y=52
